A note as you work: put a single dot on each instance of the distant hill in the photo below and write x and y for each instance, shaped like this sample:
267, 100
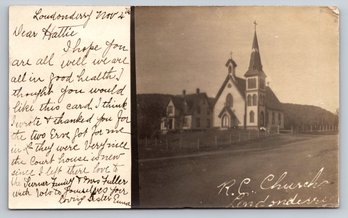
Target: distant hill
297, 115
151, 107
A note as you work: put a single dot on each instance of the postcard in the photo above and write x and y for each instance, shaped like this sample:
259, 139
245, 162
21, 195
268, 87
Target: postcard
173, 107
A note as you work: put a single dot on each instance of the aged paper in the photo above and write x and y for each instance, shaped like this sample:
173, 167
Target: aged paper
69, 107
238, 107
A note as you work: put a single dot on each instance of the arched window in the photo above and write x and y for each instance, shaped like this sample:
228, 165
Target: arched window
261, 99
254, 99
249, 100
262, 119
229, 100
251, 115
225, 121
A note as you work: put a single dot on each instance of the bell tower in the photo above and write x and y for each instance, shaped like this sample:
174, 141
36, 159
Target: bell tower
255, 88
231, 67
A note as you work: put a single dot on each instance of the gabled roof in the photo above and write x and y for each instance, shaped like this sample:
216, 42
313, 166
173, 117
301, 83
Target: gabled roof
271, 100
231, 61
229, 111
188, 103
255, 65
238, 82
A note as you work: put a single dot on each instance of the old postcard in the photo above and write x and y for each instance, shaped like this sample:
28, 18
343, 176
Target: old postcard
173, 107
237, 106
69, 107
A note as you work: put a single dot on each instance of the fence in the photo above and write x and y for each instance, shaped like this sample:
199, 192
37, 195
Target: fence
196, 141
314, 128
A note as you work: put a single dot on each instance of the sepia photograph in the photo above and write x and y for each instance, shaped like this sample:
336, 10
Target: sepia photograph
237, 107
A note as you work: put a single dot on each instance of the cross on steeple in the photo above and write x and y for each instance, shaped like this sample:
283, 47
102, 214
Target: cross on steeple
231, 54
255, 65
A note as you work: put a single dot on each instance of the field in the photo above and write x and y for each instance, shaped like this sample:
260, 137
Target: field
279, 171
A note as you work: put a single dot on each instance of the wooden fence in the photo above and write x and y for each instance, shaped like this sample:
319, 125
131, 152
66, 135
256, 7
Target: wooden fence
195, 141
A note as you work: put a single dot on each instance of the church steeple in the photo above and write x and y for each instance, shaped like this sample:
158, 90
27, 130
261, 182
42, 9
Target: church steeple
255, 65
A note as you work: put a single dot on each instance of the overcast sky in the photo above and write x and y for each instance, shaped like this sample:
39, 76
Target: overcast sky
187, 48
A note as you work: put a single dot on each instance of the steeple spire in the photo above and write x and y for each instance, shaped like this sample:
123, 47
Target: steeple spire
255, 65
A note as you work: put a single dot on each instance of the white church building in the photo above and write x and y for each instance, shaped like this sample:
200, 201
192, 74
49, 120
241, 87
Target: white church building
239, 103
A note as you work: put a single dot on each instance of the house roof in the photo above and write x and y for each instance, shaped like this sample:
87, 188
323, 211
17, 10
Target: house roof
188, 103
271, 100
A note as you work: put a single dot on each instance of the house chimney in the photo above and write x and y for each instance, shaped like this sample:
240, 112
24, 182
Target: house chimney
197, 91
183, 92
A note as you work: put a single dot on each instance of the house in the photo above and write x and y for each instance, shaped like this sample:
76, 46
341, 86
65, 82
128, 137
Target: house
188, 111
239, 103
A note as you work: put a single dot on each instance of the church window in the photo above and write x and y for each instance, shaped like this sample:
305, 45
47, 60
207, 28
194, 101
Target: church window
225, 121
262, 83
254, 99
251, 83
262, 119
273, 118
229, 100
249, 100
251, 115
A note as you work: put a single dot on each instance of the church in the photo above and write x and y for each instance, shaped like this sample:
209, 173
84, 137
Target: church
245, 103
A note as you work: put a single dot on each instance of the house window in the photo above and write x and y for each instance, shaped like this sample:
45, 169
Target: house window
261, 99
186, 122
198, 123
279, 119
208, 123
170, 124
249, 100
251, 115
273, 118
229, 100
198, 109
170, 109
252, 83
254, 99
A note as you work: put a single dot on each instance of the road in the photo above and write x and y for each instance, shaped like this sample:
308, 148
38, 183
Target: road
285, 171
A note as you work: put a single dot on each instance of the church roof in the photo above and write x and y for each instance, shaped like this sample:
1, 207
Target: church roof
239, 83
229, 111
231, 61
271, 100
255, 65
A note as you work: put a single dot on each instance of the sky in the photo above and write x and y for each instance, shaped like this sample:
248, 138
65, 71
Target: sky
186, 48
